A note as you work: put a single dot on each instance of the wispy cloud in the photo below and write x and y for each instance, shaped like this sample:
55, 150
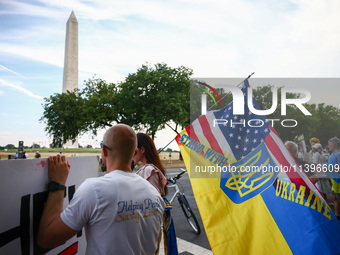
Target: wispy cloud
13, 7
214, 38
19, 88
3, 68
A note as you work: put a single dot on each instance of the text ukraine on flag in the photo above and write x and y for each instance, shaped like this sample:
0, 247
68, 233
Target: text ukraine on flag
257, 209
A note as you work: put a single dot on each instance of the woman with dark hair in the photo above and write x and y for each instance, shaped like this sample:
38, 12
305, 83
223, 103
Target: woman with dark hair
153, 169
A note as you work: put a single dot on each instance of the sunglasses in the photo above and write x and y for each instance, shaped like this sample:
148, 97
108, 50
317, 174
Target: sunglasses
102, 144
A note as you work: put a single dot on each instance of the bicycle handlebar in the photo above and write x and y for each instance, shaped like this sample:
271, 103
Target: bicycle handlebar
173, 179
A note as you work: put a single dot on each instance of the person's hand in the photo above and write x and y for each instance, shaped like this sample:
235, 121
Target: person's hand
58, 169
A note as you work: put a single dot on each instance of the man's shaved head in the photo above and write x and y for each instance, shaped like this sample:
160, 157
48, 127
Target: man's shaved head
122, 140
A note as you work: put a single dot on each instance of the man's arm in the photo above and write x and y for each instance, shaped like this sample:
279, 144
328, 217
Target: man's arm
52, 230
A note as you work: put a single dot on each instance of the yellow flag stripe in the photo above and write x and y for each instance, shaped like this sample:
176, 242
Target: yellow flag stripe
246, 228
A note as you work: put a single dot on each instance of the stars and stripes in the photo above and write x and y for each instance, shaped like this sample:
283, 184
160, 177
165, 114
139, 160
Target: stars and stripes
243, 132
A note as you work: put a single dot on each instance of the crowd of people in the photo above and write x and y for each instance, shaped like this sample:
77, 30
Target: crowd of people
123, 212
25, 155
316, 163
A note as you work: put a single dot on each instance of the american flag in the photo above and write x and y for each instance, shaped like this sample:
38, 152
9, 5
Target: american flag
229, 134
243, 132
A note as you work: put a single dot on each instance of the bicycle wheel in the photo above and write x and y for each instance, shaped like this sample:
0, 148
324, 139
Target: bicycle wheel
189, 214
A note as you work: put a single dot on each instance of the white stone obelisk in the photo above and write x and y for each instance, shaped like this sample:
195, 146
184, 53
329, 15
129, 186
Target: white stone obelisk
70, 77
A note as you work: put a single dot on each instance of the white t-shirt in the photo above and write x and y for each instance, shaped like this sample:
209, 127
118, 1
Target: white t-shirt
122, 214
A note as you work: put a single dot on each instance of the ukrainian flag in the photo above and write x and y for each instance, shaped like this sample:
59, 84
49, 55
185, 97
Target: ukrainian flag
252, 197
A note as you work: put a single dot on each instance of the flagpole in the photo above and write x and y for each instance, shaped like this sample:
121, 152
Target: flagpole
162, 149
250, 75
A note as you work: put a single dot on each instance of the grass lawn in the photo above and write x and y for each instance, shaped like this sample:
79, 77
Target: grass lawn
48, 152
78, 153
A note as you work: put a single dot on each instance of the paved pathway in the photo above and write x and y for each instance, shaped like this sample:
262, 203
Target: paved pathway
187, 248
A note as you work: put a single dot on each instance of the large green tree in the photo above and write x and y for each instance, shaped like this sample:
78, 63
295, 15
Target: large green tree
323, 123
155, 96
62, 116
69, 114
287, 131
10, 146
151, 98
327, 122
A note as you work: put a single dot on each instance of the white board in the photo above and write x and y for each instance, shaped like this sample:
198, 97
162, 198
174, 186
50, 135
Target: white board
22, 196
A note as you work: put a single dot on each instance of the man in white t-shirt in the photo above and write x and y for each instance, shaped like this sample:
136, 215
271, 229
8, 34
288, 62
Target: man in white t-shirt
121, 212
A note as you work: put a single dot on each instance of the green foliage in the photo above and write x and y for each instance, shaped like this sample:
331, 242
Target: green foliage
69, 114
149, 99
264, 98
100, 105
62, 115
153, 96
10, 146
324, 122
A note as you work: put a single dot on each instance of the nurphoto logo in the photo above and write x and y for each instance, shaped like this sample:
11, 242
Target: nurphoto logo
240, 99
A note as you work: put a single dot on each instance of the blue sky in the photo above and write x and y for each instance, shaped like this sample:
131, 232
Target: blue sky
274, 38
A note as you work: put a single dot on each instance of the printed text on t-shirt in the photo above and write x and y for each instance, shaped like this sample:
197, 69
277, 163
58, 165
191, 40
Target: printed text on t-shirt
133, 210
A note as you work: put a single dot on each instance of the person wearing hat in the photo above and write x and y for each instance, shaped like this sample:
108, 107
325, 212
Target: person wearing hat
333, 164
314, 140
309, 156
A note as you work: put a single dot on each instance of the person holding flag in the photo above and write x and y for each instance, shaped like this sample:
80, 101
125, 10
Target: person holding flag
263, 202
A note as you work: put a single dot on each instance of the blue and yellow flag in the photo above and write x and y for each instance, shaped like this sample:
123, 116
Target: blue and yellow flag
252, 196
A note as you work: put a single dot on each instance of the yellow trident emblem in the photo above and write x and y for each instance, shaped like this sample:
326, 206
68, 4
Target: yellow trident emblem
247, 183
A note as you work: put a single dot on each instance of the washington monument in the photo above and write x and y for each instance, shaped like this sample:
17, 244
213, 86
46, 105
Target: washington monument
70, 77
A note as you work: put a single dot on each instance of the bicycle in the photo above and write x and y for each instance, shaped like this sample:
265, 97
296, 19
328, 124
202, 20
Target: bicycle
189, 214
